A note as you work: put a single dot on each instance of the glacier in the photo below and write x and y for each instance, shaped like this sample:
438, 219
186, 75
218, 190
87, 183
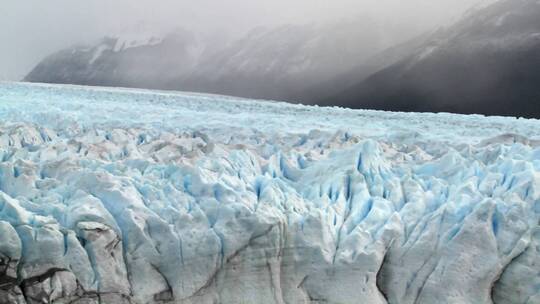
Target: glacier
135, 196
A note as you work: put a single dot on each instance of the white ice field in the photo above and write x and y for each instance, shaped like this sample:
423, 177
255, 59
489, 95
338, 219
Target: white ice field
134, 196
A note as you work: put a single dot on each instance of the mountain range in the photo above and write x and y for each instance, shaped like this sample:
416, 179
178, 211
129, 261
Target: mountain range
488, 63
278, 63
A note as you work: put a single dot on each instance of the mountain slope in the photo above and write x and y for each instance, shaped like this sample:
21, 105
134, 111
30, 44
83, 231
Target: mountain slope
282, 63
355, 74
488, 63
152, 62
276, 63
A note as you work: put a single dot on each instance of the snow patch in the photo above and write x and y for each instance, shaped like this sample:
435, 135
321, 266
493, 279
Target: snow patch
98, 52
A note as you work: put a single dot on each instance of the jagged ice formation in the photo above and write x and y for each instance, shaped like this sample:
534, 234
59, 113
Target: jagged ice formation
126, 196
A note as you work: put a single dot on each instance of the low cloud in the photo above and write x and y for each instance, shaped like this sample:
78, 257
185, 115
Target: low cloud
32, 29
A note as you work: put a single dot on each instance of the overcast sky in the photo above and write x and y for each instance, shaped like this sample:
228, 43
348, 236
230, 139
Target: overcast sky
32, 29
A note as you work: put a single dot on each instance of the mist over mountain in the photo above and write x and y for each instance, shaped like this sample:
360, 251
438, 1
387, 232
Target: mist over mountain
487, 63
33, 29
283, 63
286, 62
151, 62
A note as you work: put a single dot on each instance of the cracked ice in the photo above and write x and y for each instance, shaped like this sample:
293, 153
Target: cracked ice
133, 196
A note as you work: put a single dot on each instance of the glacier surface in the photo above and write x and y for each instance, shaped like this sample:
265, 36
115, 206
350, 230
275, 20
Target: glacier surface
133, 196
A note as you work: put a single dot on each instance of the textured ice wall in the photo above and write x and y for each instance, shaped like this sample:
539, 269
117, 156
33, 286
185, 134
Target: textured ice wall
114, 196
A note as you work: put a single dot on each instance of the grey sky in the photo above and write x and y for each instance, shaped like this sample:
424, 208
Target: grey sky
32, 29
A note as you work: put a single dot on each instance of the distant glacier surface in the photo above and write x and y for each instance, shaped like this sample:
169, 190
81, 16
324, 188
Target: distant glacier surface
135, 196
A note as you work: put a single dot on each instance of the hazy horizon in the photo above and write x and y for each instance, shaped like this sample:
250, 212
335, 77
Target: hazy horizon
31, 30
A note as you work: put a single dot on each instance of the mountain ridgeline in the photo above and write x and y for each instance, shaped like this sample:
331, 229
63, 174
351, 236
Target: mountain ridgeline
486, 63
280, 63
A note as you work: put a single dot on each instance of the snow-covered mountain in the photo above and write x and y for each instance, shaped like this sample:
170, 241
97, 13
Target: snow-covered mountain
488, 63
148, 61
132, 196
273, 63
